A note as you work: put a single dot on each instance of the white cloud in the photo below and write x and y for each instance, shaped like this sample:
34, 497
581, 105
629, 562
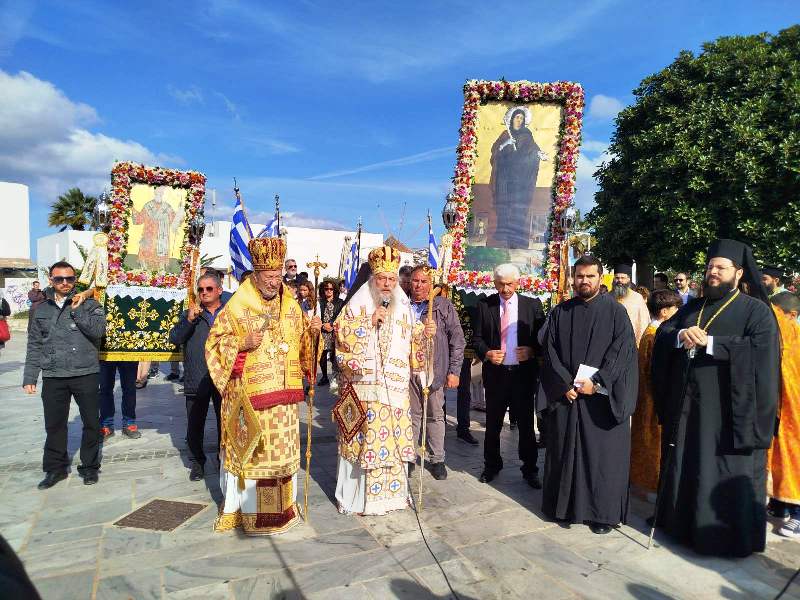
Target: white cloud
191, 95
288, 218
45, 143
604, 107
232, 108
593, 154
396, 162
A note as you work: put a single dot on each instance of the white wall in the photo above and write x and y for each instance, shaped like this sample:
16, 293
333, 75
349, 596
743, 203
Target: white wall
15, 240
61, 246
302, 243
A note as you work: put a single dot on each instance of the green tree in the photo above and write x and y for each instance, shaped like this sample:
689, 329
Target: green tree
710, 148
72, 210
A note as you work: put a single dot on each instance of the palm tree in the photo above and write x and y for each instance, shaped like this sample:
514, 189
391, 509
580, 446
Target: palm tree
72, 210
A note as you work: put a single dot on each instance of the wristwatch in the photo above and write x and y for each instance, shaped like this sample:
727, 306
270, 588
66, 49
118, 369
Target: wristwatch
596, 385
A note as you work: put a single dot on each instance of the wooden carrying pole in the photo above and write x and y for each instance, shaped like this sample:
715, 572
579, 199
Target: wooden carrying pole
316, 265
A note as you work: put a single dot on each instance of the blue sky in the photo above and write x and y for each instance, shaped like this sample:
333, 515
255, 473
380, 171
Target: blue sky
345, 109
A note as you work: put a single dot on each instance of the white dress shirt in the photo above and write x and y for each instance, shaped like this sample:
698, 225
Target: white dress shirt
511, 305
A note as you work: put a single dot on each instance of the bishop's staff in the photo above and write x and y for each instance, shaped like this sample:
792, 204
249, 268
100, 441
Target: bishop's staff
316, 265
433, 272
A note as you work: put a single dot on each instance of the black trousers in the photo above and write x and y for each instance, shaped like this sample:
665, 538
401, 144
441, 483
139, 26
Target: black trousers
56, 395
196, 413
464, 396
323, 362
507, 387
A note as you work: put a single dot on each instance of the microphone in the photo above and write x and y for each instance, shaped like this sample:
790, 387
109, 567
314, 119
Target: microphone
385, 299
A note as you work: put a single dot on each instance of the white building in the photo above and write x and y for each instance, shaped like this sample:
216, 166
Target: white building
16, 268
302, 244
63, 245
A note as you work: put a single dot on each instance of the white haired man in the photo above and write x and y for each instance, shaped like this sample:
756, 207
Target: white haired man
376, 345
505, 339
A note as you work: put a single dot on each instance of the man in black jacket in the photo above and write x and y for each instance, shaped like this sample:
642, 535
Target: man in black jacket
63, 343
191, 332
505, 339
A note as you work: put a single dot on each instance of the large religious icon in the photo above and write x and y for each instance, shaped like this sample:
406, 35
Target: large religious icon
156, 228
515, 175
149, 258
514, 172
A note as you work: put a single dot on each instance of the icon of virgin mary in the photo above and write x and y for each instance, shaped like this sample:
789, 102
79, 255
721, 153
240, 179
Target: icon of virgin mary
515, 166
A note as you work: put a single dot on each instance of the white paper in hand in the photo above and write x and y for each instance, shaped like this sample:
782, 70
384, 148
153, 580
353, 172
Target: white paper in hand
585, 373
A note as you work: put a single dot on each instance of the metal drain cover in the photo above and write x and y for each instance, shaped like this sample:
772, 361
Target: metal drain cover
161, 515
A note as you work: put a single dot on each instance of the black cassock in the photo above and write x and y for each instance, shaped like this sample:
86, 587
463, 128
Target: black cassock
714, 493
589, 440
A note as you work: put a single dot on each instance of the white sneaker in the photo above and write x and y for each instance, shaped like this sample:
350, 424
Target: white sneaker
791, 529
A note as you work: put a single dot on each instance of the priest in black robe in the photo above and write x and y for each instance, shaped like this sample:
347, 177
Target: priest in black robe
716, 377
588, 433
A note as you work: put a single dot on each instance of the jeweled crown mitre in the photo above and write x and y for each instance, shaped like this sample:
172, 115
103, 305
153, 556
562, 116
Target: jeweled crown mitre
384, 259
267, 253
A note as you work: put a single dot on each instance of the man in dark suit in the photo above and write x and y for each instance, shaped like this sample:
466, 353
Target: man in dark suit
504, 338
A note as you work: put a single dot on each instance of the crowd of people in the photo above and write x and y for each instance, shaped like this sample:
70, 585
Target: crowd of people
686, 396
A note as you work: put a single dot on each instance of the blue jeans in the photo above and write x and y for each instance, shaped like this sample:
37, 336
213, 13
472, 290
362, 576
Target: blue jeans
127, 381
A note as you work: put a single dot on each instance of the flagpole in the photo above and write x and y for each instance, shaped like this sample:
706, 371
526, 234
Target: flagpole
358, 246
278, 212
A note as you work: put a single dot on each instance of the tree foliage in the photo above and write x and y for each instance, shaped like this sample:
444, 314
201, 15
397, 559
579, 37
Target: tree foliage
72, 210
710, 148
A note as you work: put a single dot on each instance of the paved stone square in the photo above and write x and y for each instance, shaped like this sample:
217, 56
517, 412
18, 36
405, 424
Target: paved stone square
491, 540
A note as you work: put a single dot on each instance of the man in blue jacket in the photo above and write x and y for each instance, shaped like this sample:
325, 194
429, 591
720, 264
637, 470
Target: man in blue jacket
63, 344
191, 332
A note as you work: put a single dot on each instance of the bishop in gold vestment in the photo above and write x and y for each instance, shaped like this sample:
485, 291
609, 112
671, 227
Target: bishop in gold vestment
257, 352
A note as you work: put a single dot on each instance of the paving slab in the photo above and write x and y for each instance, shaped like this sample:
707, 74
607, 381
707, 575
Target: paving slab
491, 540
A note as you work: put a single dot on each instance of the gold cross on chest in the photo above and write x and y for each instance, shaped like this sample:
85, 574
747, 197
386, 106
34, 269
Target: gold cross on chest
405, 326
142, 314
251, 322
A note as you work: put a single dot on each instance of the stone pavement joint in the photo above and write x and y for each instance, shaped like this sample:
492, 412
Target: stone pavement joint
491, 540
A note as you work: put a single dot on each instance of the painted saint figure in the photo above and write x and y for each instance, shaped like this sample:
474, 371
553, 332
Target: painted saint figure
161, 223
515, 167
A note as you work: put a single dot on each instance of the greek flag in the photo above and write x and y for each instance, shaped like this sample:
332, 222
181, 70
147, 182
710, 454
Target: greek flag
270, 229
351, 266
433, 249
240, 235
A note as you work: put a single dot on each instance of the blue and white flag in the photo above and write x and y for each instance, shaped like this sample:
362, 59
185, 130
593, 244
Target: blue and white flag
433, 249
351, 268
270, 229
241, 234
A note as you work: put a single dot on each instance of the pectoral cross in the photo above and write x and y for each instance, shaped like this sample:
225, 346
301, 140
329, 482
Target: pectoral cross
405, 326
143, 314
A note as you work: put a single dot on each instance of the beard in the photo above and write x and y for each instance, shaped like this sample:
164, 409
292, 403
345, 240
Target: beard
379, 295
715, 292
586, 292
620, 290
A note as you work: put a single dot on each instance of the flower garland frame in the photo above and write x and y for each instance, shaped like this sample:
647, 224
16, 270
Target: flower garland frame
477, 92
123, 176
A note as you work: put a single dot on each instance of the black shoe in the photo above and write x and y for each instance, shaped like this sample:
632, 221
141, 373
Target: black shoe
51, 478
533, 481
439, 471
513, 426
172, 377
600, 528
152, 374
466, 436
90, 478
140, 385
324, 381
197, 473
487, 476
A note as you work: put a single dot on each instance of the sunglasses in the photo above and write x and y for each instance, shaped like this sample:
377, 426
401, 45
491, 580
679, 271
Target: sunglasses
327, 289
202, 289
292, 267
678, 280
59, 279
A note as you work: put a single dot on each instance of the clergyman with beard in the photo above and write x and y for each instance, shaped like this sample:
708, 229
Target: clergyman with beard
716, 378
258, 350
590, 381
634, 303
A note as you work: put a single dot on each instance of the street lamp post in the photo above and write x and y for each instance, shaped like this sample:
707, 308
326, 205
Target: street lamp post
101, 215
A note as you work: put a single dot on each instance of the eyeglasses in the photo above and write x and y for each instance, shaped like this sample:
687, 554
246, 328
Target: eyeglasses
678, 280
202, 289
327, 289
59, 279
292, 267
